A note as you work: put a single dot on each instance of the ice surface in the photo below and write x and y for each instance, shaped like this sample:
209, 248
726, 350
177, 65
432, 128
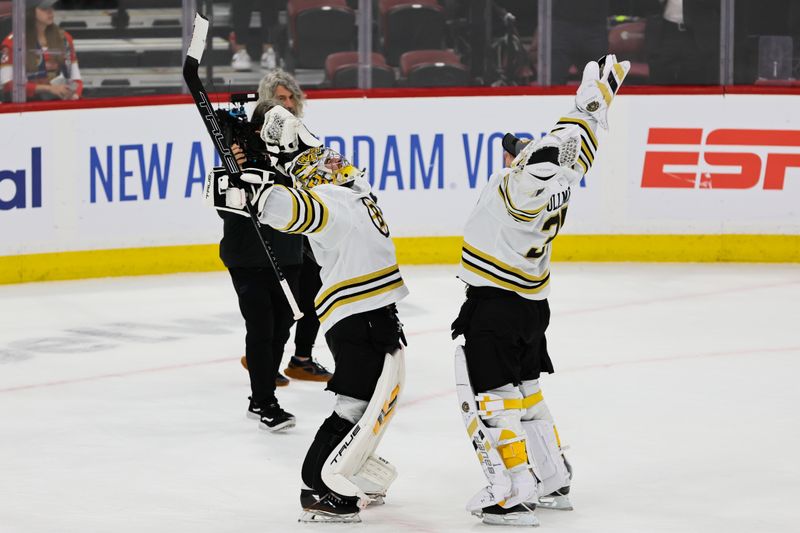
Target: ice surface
122, 406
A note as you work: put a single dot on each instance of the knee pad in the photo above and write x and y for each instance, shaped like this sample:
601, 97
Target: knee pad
493, 422
350, 409
351, 468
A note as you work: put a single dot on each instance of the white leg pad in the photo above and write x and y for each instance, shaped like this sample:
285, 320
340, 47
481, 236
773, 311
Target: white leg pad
507, 487
352, 461
545, 456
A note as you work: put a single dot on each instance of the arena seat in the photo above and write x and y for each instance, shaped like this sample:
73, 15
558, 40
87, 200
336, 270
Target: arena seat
433, 68
626, 40
341, 70
318, 28
410, 25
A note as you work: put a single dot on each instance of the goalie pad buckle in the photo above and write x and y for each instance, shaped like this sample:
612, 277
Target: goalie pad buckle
352, 469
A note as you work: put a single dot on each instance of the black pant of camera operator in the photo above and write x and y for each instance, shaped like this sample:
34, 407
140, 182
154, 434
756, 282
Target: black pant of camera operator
264, 308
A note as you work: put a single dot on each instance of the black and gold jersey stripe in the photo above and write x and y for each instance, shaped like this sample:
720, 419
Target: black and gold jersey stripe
309, 214
500, 273
517, 214
588, 140
356, 289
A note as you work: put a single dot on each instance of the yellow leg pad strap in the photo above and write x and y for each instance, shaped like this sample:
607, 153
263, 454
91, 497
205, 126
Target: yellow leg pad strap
533, 399
491, 402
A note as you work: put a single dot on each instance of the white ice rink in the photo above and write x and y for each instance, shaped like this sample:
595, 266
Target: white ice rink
122, 407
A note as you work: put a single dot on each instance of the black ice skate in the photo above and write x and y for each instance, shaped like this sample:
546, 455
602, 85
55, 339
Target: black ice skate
273, 418
518, 515
328, 507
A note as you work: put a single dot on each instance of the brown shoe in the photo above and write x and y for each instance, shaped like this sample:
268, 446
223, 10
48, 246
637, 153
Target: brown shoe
281, 380
307, 370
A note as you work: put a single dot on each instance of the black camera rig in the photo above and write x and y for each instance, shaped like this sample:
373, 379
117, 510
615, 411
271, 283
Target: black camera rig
237, 129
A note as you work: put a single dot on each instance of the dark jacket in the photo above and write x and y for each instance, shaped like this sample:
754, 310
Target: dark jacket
240, 246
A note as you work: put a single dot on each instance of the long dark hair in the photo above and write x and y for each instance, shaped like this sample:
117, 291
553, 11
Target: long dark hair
56, 43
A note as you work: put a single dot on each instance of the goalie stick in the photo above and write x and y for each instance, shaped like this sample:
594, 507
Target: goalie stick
195, 85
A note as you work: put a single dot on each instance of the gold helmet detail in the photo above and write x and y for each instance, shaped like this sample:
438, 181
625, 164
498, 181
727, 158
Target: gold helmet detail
321, 165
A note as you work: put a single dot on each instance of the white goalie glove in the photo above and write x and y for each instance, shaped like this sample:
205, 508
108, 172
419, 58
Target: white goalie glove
601, 81
285, 136
252, 192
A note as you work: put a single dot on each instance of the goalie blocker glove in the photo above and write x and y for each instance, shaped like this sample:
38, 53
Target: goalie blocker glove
251, 189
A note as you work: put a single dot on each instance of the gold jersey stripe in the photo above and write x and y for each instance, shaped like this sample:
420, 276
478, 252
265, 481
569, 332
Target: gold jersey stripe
584, 126
361, 296
324, 208
309, 214
295, 209
514, 211
496, 262
353, 281
503, 283
587, 152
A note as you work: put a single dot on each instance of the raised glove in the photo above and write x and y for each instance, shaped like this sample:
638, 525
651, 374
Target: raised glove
601, 81
285, 136
252, 192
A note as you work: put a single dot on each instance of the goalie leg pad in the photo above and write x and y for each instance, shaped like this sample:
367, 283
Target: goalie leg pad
351, 469
493, 422
544, 446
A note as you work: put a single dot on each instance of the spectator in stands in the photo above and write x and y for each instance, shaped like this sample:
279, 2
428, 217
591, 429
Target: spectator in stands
51, 63
682, 42
240, 38
281, 87
579, 35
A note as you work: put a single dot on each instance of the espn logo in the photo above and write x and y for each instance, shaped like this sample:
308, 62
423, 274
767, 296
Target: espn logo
756, 154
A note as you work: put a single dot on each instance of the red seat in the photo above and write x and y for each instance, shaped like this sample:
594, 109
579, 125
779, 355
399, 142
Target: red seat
626, 40
433, 68
410, 25
318, 28
341, 70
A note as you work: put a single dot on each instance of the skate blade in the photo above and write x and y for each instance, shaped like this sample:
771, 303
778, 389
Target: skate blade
375, 500
510, 519
280, 427
554, 503
315, 516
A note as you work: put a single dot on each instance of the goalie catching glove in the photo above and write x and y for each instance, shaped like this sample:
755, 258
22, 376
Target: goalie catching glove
601, 81
249, 191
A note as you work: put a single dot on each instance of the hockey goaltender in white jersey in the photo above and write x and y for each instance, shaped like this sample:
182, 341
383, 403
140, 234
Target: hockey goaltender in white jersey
332, 205
505, 263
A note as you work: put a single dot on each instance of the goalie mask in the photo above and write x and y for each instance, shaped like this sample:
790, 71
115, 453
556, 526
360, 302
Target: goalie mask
321, 165
552, 156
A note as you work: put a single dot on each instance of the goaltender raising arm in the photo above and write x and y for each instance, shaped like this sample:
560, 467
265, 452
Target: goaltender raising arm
332, 205
506, 265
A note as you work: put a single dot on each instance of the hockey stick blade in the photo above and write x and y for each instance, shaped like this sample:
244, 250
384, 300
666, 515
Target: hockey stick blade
190, 75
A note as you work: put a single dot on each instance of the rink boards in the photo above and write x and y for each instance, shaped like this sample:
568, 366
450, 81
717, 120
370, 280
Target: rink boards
695, 177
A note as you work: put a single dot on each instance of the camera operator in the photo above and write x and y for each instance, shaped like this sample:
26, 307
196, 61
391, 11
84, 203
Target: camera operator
262, 303
282, 88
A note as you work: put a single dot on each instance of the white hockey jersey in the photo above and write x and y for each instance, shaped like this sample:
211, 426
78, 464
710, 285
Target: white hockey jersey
351, 243
508, 234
